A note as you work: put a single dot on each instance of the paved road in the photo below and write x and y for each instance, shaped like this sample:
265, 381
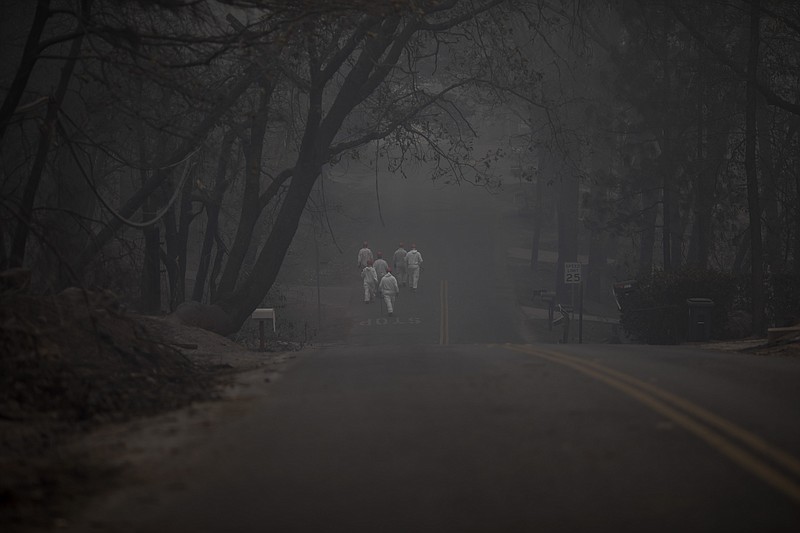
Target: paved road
442, 419
490, 438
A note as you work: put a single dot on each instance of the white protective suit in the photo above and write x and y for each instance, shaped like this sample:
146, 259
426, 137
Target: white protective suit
389, 290
399, 266
381, 267
413, 265
364, 256
370, 283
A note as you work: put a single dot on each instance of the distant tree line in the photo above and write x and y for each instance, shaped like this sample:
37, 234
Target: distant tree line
667, 130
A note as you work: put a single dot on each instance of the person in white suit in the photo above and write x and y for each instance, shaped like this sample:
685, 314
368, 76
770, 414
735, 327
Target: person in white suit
413, 266
389, 290
381, 266
399, 265
364, 256
370, 282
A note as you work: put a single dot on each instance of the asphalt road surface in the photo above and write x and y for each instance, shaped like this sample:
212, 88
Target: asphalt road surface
443, 418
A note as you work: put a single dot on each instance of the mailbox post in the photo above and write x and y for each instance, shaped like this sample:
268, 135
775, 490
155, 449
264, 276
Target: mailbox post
261, 315
548, 297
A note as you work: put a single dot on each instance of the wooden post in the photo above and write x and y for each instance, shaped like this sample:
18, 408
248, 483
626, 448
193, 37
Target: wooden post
580, 317
261, 315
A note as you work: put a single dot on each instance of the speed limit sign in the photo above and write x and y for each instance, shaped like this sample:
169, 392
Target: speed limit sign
572, 273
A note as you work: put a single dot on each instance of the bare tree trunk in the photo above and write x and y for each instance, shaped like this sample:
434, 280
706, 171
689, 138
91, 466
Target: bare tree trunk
598, 261
176, 226
796, 254
251, 206
248, 295
677, 230
180, 245
187, 216
666, 217
537, 228
29, 57
169, 253
20, 239
219, 257
769, 192
212, 215
3, 255
598, 248
567, 229
150, 289
698, 242
742, 257
671, 239
151, 268
665, 165
537, 216
715, 142
753, 203
648, 231
597, 226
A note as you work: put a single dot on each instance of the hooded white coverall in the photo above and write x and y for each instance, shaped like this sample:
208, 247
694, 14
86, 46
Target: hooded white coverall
370, 283
413, 264
389, 289
381, 267
364, 257
399, 265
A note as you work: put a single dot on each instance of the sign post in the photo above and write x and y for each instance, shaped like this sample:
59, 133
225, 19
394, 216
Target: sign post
572, 273
572, 276
580, 319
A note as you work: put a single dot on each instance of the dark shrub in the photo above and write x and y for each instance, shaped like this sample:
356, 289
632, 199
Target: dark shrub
657, 312
783, 298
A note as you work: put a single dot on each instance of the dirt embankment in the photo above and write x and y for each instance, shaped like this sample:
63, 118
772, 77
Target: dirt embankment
72, 362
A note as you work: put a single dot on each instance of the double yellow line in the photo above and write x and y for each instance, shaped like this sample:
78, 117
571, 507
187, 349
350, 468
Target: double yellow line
738, 444
444, 335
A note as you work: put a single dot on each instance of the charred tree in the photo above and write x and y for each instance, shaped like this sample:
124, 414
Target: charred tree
213, 201
751, 169
47, 131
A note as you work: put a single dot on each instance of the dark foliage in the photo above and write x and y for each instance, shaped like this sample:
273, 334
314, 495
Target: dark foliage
783, 298
658, 313
77, 356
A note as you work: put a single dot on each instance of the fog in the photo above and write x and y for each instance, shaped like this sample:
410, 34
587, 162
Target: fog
604, 198
183, 144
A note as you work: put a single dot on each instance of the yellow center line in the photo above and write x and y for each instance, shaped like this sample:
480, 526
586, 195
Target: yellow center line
649, 395
755, 442
443, 329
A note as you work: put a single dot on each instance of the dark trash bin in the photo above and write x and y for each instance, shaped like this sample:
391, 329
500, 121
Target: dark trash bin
699, 319
622, 289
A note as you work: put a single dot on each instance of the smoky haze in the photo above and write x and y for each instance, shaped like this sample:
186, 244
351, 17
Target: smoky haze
463, 232
604, 337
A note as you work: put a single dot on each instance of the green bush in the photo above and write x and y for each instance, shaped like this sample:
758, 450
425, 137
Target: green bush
657, 312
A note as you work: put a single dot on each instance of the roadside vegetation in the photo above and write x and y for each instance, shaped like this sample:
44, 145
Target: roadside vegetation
158, 156
167, 150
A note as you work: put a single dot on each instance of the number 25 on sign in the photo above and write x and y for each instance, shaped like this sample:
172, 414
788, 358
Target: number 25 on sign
572, 273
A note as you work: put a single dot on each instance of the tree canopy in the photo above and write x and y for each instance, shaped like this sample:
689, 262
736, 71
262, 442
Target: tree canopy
665, 125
